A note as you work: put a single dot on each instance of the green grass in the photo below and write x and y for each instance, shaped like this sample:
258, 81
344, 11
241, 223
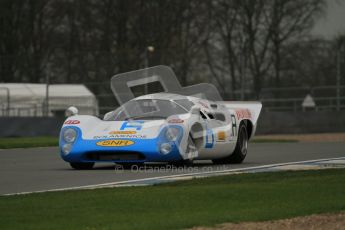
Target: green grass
236, 198
30, 142
27, 142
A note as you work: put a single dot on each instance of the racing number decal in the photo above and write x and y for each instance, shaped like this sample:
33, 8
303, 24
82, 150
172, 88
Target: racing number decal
209, 138
233, 121
137, 125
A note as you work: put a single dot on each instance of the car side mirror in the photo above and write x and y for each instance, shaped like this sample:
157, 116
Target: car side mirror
195, 110
71, 111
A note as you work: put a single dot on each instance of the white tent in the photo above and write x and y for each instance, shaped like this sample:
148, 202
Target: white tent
30, 99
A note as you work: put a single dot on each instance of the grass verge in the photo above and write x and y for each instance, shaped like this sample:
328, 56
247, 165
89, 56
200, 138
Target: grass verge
30, 142
27, 142
209, 201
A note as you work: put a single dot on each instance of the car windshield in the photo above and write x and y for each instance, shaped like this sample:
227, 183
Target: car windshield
145, 109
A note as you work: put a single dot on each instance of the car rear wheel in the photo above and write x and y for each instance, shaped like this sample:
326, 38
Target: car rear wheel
82, 165
241, 149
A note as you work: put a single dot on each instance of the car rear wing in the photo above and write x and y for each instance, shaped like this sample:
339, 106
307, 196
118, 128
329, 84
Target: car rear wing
254, 108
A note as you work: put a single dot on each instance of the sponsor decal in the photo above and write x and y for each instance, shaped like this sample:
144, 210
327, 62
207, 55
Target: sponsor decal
137, 125
123, 132
136, 136
203, 104
233, 126
72, 122
221, 136
115, 143
175, 121
209, 139
243, 114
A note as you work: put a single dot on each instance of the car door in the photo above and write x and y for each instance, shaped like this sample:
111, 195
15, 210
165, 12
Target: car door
218, 141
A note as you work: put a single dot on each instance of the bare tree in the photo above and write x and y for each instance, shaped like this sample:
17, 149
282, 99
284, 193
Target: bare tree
256, 46
241, 29
11, 26
290, 21
242, 44
225, 15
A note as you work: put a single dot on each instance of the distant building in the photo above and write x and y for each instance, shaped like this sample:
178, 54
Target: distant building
21, 99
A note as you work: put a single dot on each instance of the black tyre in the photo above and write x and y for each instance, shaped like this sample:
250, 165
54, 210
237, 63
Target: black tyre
82, 165
241, 149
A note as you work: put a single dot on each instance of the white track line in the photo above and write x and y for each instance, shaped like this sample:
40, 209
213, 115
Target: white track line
220, 172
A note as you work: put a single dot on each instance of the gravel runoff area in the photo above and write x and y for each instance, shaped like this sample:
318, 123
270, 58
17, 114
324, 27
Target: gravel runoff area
319, 137
316, 222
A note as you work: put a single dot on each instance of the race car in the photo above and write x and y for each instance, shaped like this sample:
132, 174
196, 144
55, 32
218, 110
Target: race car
160, 127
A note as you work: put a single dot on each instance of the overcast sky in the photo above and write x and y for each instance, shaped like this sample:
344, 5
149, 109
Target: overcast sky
333, 23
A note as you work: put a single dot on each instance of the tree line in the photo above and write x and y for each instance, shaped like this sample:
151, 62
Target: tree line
235, 44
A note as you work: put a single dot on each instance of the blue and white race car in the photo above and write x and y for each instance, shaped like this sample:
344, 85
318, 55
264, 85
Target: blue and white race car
160, 127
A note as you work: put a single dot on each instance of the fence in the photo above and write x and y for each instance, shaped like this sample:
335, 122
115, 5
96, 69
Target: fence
291, 98
273, 99
4, 101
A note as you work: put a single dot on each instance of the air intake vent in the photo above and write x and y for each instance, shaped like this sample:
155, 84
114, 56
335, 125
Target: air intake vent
114, 156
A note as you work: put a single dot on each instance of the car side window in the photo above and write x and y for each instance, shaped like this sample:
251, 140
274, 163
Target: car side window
210, 115
203, 115
187, 104
220, 116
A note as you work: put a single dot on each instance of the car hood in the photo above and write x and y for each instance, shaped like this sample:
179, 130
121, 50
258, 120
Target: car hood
93, 128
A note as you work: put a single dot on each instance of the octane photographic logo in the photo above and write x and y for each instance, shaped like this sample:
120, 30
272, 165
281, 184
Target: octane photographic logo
167, 168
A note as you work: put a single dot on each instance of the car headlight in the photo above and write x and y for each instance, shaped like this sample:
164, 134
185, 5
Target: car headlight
66, 148
69, 135
165, 148
172, 133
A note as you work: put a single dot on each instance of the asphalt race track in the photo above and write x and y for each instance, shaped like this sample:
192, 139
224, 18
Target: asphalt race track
37, 169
